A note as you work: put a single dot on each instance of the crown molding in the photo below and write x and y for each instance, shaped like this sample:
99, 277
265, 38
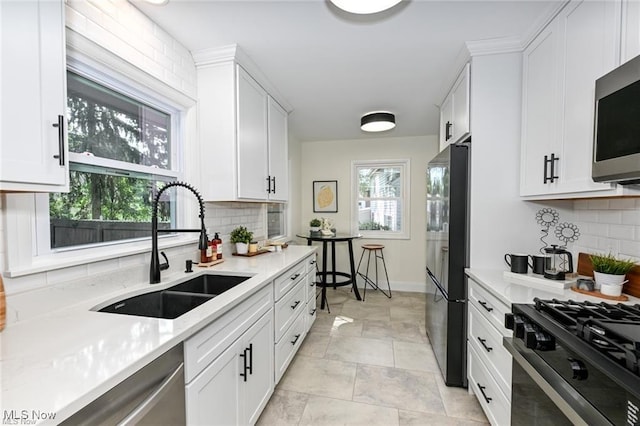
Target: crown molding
233, 53
494, 46
542, 22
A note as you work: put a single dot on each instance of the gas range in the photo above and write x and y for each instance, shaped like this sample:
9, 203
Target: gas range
584, 356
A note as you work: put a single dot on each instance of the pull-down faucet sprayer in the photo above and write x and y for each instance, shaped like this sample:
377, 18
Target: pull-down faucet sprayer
156, 266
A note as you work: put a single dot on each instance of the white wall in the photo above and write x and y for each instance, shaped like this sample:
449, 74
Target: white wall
331, 160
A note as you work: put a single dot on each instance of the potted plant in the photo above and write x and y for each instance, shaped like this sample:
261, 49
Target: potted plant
609, 272
315, 224
241, 237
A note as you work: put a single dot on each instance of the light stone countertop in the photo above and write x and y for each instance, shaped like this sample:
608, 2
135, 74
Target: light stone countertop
509, 292
60, 361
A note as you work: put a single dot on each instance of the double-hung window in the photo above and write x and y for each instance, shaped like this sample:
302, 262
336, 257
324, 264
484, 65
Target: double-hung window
381, 202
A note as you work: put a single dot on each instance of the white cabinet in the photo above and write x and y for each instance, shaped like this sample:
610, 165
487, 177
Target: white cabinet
229, 365
559, 71
489, 363
291, 311
630, 46
33, 148
454, 111
242, 137
310, 311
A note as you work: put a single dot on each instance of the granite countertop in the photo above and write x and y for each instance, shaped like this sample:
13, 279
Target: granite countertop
515, 292
60, 361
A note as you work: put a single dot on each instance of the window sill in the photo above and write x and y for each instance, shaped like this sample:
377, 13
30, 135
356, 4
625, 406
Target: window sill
67, 259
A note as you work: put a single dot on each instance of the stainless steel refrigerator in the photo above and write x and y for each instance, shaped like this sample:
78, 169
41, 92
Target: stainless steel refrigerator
447, 256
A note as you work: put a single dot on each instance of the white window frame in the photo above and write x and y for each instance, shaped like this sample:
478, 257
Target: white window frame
27, 215
405, 176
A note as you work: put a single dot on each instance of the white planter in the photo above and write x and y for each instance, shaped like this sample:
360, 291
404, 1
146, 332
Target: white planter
609, 284
242, 248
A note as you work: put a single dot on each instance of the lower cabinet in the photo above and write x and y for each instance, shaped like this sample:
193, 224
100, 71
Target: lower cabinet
311, 315
489, 363
229, 365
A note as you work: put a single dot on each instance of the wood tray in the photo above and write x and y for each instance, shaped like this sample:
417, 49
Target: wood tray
213, 262
632, 287
263, 251
596, 293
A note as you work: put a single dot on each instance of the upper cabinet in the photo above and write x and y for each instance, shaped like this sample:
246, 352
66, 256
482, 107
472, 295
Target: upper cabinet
454, 111
242, 136
560, 68
33, 148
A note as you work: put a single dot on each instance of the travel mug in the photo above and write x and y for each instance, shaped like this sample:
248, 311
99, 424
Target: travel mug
519, 263
539, 263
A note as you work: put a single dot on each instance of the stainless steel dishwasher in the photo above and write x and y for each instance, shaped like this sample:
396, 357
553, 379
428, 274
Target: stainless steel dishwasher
152, 396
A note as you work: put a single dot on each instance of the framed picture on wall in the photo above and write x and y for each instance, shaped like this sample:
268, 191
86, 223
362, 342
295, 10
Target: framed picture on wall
325, 196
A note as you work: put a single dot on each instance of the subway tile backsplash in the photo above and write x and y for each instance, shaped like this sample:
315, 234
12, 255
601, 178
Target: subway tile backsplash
608, 225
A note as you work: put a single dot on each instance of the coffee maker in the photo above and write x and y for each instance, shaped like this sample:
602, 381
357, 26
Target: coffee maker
559, 264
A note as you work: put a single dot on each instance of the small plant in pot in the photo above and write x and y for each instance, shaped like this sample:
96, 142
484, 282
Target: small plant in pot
315, 225
241, 237
609, 272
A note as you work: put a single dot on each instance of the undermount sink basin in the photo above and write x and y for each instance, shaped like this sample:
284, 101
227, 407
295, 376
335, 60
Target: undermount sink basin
209, 284
176, 300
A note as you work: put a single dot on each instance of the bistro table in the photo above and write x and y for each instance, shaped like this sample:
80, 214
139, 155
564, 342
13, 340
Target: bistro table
330, 278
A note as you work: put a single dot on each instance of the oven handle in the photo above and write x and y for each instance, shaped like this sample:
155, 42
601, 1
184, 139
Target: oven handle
578, 410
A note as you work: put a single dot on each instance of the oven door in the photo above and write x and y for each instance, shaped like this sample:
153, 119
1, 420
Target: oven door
539, 395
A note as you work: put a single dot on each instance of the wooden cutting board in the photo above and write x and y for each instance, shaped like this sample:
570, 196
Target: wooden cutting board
632, 287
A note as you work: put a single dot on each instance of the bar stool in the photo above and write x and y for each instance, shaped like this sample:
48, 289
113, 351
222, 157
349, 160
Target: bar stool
376, 250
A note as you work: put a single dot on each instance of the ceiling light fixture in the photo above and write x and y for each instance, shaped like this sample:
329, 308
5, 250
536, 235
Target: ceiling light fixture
157, 2
378, 121
365, 7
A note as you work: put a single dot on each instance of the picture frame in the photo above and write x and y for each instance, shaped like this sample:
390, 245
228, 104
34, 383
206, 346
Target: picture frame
325, 196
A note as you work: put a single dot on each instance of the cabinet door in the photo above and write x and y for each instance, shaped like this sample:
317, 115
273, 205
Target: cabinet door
446, 122
257, 390
213, 398
630, 45
252, 138
590, 46
460, 93
540, 108
33, 149
278, 152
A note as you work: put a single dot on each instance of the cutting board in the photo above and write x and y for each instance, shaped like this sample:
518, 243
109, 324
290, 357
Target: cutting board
632, 287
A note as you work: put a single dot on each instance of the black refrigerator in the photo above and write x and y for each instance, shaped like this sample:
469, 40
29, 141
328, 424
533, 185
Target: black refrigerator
447, 256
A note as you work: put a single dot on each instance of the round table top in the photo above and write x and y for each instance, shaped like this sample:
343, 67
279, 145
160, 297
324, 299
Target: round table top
337, 237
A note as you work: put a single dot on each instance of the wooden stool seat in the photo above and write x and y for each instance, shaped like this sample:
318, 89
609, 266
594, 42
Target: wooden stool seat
372, 246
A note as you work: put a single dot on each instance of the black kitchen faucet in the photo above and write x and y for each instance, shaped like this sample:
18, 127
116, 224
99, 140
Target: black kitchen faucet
156, 266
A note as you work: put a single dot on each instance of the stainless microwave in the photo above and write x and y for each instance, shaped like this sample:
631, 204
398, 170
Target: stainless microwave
616, 145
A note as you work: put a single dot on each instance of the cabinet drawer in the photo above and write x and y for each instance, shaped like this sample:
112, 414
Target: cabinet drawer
289, 279
310, 285
310, 313
489, 306
205, 346
287, 347
288, 307
311, 264
487, 341
495, 405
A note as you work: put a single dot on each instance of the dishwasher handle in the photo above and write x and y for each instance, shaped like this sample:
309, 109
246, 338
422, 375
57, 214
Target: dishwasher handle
154, 398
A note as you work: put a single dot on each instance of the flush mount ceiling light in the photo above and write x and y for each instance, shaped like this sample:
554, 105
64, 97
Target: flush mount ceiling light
365, 7
379, 121
157, 2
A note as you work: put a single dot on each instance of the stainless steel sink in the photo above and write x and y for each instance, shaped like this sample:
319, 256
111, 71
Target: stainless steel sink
177, 300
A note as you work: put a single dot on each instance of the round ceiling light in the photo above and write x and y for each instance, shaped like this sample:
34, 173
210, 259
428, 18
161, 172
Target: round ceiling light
365, 7
379, 121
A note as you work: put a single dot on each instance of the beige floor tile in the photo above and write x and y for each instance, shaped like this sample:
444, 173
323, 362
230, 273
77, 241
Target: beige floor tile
323, 377
284, 408
337, 325
330, 412
361, 350
413, 418
415, 356
458, 402
360, 310
411, 314
402, 389
393, 330
315, 345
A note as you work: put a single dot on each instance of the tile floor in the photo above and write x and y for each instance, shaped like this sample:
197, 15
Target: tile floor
369, 363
